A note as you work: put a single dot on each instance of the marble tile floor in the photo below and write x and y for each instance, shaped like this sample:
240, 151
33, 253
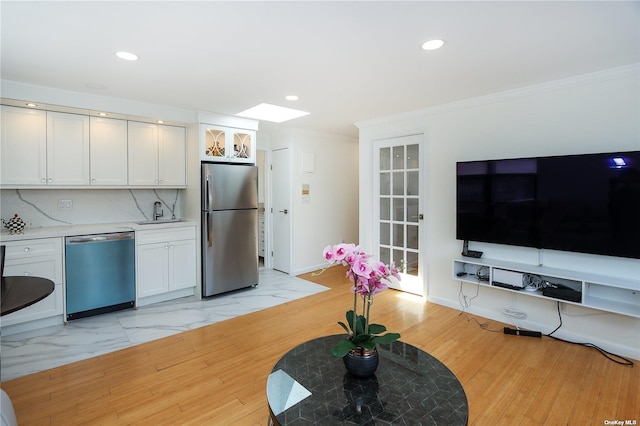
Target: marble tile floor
30, 352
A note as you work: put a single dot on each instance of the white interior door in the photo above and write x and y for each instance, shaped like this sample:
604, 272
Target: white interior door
263, 205
398, 208
281, 209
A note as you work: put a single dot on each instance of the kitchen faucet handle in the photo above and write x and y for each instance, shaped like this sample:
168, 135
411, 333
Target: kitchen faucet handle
157, 205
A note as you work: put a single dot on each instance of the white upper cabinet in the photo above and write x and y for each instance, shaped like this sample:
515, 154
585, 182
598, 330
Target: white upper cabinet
108, 143
44, 148
67, 149
172, 156
143, 154
23, 146
226, 144
157, 155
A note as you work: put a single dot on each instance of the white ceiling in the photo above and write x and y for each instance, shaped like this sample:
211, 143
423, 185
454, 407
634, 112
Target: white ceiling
347, 61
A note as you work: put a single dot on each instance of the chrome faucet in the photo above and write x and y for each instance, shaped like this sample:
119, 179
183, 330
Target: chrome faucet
157, 206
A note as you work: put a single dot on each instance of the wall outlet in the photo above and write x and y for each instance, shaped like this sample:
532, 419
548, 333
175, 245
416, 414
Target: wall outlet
65, 204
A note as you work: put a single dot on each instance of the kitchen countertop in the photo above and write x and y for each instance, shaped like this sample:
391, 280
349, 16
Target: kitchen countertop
99, 228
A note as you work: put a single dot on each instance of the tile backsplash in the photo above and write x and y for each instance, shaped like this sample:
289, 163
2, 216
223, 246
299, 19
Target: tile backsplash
58, 207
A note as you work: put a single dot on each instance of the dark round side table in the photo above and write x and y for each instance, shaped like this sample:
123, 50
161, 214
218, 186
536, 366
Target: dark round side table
308, 386
19, 292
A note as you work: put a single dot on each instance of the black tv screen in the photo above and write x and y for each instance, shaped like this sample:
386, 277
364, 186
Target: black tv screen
580, 203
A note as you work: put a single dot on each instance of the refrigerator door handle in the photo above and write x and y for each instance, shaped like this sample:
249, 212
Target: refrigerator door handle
209, 230
208, 194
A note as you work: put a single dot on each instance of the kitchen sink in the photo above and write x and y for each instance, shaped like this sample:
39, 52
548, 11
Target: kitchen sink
158, 222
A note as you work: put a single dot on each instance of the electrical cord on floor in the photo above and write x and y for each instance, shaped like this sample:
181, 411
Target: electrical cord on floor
618, 359
462, 296
466, 304
514, 314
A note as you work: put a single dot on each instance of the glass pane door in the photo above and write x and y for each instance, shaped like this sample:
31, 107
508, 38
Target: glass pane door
399, 207
215, 143
242, 145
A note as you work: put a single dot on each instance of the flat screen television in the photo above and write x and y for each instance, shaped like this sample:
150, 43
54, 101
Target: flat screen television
579, 203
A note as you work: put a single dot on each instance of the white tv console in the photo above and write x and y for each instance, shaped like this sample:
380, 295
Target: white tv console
617, 295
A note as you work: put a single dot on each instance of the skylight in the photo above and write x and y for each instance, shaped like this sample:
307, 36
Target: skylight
273, 113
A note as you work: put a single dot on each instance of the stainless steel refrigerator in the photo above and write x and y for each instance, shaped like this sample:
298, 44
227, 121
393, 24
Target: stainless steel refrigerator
229, 227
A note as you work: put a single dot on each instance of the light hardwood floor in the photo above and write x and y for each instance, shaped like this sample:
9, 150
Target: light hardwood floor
217, 374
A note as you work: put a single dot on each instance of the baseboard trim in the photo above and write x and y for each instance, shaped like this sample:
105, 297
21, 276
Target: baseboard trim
610, 346
311, 269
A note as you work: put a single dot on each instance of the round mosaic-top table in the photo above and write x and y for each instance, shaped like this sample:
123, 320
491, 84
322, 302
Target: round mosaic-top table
20, 292
309, 386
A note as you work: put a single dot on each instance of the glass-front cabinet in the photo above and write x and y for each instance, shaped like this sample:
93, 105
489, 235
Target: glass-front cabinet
226, 144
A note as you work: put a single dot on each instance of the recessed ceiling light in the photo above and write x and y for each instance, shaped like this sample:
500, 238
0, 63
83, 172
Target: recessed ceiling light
127, 56
432, 44
32, 105
291, 98
160, 122
273, 113
102, 114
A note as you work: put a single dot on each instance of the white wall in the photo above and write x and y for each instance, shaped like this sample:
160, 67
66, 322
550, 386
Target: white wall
329, 214
593, 113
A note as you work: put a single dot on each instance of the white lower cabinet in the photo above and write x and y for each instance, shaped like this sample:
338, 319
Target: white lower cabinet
37, 258
165, 263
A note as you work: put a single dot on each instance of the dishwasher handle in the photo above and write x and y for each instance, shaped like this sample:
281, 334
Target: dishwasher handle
100, 237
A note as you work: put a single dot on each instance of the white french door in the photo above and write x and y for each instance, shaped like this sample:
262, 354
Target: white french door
398, 208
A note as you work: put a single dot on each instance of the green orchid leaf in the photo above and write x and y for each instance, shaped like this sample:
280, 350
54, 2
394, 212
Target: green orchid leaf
342, 348
368, 344
350, 318
360, 325
347, 329
377, 329
360, 339
360, 322
350, 315
386, 339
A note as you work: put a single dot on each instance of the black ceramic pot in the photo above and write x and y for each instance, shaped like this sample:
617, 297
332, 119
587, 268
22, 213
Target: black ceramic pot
361, 362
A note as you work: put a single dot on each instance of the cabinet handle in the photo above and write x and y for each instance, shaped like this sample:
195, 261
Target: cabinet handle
50, 179
27, 249
43, 180
27, 274
93, 181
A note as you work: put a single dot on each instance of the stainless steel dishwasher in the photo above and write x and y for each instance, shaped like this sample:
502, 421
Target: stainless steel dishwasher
100, 273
